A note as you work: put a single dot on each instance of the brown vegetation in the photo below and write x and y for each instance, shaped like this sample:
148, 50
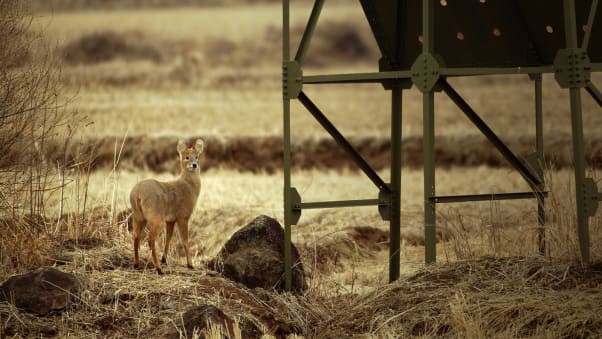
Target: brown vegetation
31, 116
264, 154
73, 5
106, 46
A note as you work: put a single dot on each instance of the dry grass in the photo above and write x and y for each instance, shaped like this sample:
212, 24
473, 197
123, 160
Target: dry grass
236, 79
230, 199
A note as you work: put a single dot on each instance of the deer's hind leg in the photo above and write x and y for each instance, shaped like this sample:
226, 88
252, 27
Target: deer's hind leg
137, 228
168, 235
156, 225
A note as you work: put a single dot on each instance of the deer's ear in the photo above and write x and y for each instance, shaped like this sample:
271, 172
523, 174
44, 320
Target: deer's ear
198, 146
181, 146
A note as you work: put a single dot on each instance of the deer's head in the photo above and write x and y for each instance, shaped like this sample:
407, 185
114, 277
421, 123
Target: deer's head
189, 157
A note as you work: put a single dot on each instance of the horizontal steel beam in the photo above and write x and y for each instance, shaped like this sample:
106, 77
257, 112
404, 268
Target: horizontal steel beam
468, 71
375, 77
594, 92
487, 197
335, 204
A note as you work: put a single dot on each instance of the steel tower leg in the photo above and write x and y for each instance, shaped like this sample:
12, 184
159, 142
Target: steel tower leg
570, 27
428, 132
541, 213
288, 276
395, 222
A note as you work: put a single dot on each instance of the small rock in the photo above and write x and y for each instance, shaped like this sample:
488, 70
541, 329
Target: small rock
254, 256
42, 291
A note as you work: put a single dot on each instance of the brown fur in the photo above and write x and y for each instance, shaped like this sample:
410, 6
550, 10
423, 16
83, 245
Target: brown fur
165, 204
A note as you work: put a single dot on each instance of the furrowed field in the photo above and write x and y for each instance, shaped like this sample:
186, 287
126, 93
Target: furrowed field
140, 78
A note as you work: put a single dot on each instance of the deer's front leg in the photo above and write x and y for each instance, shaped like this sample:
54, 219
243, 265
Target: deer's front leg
183, 230
168, 235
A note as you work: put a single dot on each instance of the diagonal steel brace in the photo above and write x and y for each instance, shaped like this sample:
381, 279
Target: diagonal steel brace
532, 179
340, 139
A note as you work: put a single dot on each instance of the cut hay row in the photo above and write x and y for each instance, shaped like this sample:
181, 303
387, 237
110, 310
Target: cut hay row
264, 154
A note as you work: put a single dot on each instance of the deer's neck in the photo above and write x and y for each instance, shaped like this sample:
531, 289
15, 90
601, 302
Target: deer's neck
192, 180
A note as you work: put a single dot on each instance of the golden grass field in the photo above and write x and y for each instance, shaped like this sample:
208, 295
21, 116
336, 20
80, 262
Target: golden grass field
216, 74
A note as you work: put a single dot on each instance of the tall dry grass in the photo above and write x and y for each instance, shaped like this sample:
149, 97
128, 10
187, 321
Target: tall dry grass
502, 231
32, 116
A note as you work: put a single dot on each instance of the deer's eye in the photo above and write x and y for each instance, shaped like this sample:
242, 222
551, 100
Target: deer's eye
187, 158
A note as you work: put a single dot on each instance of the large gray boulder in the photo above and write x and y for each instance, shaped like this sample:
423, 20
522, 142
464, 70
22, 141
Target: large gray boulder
254, 256
42, 291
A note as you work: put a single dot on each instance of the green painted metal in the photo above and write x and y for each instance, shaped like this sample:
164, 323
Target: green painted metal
532, 179
591, 197
342, 142
472, 71
295, 201
379, 77
428, 132
572, 68
425, 72
444, 199
356, 77
594, 92
292, 79
590, 24
395, 203
570, 28
541, 211
309, 30
407, 42
384, 208
494, 33
288, 274
337, 204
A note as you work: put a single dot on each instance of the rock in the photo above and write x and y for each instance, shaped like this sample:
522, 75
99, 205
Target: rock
42, 291
254, 256
197, 318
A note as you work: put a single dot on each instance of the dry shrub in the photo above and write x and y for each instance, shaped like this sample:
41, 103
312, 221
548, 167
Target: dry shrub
32, 117
106, 46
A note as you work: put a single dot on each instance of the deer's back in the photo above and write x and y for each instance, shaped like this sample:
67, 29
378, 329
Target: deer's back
149, 195
170, 200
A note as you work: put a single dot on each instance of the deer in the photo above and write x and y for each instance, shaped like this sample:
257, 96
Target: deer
161, 205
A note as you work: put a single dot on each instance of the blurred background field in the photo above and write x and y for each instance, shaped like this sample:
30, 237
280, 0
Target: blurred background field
142, 74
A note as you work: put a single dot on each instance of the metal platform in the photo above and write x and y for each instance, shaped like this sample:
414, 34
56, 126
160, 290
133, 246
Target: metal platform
424, 42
